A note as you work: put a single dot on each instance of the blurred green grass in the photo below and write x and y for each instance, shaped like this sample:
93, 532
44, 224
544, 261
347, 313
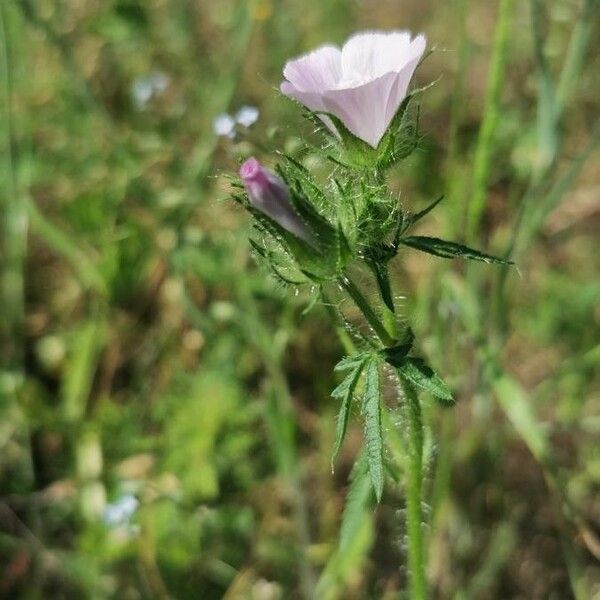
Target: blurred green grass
143, 352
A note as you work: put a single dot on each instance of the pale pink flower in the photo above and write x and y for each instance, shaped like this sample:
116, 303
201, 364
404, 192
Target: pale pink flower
269, 194
363, 84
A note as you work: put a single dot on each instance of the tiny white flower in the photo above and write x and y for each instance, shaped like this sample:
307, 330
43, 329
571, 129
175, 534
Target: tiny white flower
247, 115
141, 91
159, 81
224, 125
144, 88
120, 511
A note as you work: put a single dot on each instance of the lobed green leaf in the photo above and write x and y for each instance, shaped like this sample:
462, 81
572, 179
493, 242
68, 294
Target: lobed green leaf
371, 410
345, 392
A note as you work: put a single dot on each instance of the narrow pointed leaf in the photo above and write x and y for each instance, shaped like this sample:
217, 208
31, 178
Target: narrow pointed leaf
311, 304
298, 171
350, 362
262, 252
345, 392
373, 433
411, 219
359, 501
446, 249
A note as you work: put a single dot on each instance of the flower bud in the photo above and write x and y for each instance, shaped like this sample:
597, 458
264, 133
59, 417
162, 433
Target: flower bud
269, 194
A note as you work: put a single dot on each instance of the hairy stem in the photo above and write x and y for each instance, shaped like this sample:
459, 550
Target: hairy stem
414, 492
369, 314
380, 270
414, 465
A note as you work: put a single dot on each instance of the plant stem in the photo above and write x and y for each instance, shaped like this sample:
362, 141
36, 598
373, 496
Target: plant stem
414, 492
14, 225
482, 162
369, 314
414, 487
382, 276
576, 52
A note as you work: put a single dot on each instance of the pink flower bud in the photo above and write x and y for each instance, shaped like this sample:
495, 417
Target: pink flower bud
268, 193
362, 84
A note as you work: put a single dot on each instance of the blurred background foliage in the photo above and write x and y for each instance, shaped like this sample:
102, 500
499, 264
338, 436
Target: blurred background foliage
166, 425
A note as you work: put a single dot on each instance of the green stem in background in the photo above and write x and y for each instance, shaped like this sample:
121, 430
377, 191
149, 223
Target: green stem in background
538, 202
283, 421
455, 174
369, 314
14, 229
282, 425
491, 115
578, 45
414, 492
546, 118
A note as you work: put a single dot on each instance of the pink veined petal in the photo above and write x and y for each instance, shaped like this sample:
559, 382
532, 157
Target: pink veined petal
363, 109
316, 71
369, 55
400, 88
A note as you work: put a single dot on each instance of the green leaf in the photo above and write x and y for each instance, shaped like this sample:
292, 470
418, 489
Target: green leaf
356, 534
315, 221
396, 122
350, 362
308, 259
262, 252
311, 304
352, 143
296, 170
422, 375
446, 249
273, 262
373, 432
86, 347
358, 502
344, 252
398, 141
345, 393
411, 219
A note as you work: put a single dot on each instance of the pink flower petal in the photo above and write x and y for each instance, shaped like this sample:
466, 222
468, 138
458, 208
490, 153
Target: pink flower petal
400, 89
269, 194
364, 109
363, 84
372, 54
316, 71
